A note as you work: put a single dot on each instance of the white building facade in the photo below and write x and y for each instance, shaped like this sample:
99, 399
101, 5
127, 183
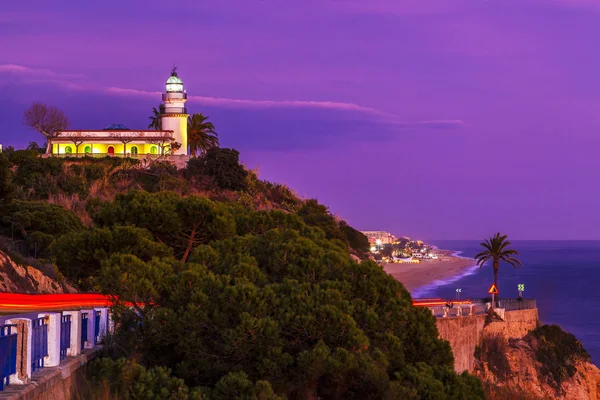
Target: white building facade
118, 140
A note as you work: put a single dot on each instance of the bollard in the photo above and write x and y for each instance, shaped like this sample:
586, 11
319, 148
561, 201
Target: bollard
24, 351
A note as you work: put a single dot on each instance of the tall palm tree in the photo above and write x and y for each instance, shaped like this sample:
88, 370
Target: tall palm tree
155, 119
201, 134
496, 250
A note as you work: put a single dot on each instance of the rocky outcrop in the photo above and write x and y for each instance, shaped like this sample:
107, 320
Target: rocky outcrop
502, 353
523, 377
510, 369
15, 277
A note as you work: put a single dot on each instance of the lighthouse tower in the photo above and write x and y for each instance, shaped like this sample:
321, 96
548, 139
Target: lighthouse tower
174, 115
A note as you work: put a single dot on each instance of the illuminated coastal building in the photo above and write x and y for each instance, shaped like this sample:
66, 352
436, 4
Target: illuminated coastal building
118, 140
379, 237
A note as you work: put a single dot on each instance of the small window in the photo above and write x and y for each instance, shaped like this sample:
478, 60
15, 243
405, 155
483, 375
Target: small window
153, 150
68, 150
87, 150
134, 150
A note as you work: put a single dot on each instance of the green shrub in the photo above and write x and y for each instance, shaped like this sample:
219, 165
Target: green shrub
37, 222
558, 351
94, 172
128, 380
223, 166
73, 184
79, 254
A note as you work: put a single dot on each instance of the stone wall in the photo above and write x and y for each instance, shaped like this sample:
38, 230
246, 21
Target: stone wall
465, 333
53, 383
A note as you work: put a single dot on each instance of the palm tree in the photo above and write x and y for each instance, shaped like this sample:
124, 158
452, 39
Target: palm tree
201, 134
155, 119
496, 249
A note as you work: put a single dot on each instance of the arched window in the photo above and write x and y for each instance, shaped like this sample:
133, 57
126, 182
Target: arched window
153, 150
111, 150
87, 150
68, 150
134, 150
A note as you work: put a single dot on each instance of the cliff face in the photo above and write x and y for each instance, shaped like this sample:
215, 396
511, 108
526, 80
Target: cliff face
27, 279
522, 377
502, 354
511, 369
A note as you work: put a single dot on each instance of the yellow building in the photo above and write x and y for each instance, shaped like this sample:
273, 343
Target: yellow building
118, 140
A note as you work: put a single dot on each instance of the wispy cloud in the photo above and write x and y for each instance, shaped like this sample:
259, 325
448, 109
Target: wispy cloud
39, 72
229, 102
34, 75
332, 105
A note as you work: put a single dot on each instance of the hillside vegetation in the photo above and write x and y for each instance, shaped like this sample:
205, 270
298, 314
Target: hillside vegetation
240, 288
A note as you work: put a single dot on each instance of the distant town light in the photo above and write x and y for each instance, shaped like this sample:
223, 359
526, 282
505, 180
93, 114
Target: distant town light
373, 249
378, 242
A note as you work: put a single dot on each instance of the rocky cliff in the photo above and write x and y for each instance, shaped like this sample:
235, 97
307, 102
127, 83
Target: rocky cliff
516, 359
535, 366
15, 277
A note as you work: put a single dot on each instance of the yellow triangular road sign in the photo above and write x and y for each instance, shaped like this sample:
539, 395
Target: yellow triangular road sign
493, 289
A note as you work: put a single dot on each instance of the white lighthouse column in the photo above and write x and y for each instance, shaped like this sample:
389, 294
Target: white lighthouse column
174, 115
178, 124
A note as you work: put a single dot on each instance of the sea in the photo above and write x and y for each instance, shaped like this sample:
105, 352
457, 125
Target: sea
563, 277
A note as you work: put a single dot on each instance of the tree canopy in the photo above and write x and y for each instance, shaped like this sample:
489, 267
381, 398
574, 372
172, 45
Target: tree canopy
232, 298
201, 134
496, 249
45, 119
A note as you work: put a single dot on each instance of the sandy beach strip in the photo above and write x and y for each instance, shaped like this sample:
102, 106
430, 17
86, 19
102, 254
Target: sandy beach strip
426, 272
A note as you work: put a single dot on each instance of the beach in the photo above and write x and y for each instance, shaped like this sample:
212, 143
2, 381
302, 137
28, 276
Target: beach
426, 272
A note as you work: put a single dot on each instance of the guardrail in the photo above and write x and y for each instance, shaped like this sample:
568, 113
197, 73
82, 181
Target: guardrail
65, 335
35, 340
509, 304
84, 329
8, 353
456, 308
39, 343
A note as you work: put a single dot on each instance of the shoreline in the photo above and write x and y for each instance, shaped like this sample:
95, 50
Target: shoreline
421, 278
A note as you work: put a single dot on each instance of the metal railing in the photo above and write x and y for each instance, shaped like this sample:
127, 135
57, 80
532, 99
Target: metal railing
65, 335
84, 329
175, 110
480, 306
509, 304
174, 96
44, 339
39, 343
8, 353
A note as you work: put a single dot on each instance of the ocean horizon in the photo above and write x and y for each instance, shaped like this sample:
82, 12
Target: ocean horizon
562, 275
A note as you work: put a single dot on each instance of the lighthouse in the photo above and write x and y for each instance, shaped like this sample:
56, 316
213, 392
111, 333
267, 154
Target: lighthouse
174, 115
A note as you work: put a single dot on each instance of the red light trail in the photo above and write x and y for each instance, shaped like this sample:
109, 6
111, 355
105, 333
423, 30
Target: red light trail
11, 303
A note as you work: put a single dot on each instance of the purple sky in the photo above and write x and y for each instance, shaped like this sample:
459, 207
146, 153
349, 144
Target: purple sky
437, 119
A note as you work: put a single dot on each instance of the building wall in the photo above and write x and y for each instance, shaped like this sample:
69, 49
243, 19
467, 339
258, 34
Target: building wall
178, 124
65, 382
102, 148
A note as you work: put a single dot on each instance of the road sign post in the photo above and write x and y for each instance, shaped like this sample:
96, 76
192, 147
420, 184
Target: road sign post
493, 291
521, 288
458, 292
